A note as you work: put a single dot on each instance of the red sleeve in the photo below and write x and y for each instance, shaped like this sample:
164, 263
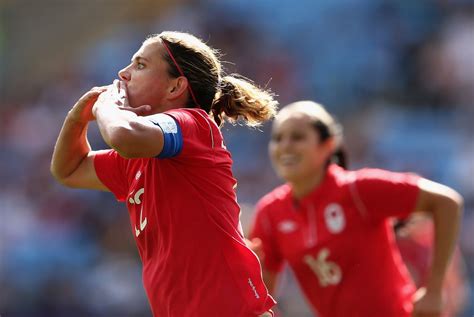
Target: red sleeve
200, 134
263, 229
381, 194
110, 168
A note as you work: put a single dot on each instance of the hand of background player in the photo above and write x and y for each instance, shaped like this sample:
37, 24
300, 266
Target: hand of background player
427, 304
256, 246
116, 94
82, 110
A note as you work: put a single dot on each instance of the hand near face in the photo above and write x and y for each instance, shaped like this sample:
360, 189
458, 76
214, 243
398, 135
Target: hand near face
82, 110
116, 94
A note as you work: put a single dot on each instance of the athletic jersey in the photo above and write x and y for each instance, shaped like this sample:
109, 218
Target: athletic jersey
339, 241
185, 220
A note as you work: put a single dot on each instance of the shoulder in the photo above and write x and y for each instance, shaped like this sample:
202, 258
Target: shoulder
339, 177
189, 116
195, 123
344, 177
275, 198
381, 175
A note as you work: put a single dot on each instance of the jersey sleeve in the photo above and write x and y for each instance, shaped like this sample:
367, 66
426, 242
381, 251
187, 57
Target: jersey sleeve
172, 134
263, 229
110, 168
382, 194
200, 135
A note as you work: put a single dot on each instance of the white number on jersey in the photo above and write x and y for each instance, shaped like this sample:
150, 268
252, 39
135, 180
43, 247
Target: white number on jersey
328, 273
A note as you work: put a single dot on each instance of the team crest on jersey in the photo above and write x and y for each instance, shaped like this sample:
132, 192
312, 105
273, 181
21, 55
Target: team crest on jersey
334, 217
287, 226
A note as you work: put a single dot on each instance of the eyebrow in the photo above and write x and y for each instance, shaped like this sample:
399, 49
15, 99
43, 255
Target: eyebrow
138, 59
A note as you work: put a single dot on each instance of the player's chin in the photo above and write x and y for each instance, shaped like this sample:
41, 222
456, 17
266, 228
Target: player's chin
289, 174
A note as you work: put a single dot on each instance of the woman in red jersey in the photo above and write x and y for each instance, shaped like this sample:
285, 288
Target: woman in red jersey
169, 165
334, 227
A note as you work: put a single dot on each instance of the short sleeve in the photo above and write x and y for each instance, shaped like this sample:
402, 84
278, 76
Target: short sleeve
172, 135
110, 169
262, 228
382, 194
200, 135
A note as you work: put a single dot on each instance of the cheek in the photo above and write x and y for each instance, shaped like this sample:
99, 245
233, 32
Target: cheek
312, 157
271, 150
149, 92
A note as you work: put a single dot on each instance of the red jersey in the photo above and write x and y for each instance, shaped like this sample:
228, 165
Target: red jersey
339, 241
185, 220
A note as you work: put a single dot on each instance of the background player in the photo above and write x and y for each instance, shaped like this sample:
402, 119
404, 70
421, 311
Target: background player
334, 227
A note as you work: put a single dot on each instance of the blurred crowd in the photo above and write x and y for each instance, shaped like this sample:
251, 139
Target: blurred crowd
399, 75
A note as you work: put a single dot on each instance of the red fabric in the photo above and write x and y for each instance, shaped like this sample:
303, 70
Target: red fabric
185, 220
416, 247
339, 241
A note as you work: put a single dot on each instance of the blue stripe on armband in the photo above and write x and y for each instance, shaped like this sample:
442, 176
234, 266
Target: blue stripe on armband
172, 135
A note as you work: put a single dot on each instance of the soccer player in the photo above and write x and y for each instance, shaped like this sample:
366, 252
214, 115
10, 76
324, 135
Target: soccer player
334, 226
169, 165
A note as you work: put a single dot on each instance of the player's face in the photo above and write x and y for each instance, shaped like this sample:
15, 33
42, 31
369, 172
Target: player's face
295, 148
146, 77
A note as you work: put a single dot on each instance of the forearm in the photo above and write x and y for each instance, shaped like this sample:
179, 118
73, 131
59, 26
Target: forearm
71, 148
115, 125
446, 217
270, 279
131, 135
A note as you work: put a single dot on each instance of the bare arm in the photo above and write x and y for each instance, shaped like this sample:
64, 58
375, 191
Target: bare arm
130, 135
445, 207
269, 278
72, 162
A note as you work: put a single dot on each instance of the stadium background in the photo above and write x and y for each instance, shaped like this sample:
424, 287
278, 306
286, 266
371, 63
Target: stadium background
398, 74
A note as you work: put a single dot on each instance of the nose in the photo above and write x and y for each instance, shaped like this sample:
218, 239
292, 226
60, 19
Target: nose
284, 143
279, 146
124, 74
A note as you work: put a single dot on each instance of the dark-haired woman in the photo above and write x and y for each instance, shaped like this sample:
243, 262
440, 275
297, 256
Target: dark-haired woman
334, 226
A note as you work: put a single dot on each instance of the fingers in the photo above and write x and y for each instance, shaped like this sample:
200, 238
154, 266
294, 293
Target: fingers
119, 91
91, 94
140, 111
257, 242
116, 94
100, 88
419, 294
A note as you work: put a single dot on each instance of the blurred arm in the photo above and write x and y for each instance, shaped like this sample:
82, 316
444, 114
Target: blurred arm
445, 206
269, 278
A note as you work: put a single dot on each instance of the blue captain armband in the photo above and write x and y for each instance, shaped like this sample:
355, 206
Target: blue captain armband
172, 136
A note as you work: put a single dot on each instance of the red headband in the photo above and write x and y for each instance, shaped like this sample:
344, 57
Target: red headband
180, 72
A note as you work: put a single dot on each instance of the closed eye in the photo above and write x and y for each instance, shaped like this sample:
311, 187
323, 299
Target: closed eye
297, 136
276, 137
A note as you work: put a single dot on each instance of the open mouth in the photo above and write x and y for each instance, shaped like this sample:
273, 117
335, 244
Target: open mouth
288, 160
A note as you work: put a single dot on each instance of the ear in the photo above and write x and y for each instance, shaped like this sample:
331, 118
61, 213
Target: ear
177, 87
330, 145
